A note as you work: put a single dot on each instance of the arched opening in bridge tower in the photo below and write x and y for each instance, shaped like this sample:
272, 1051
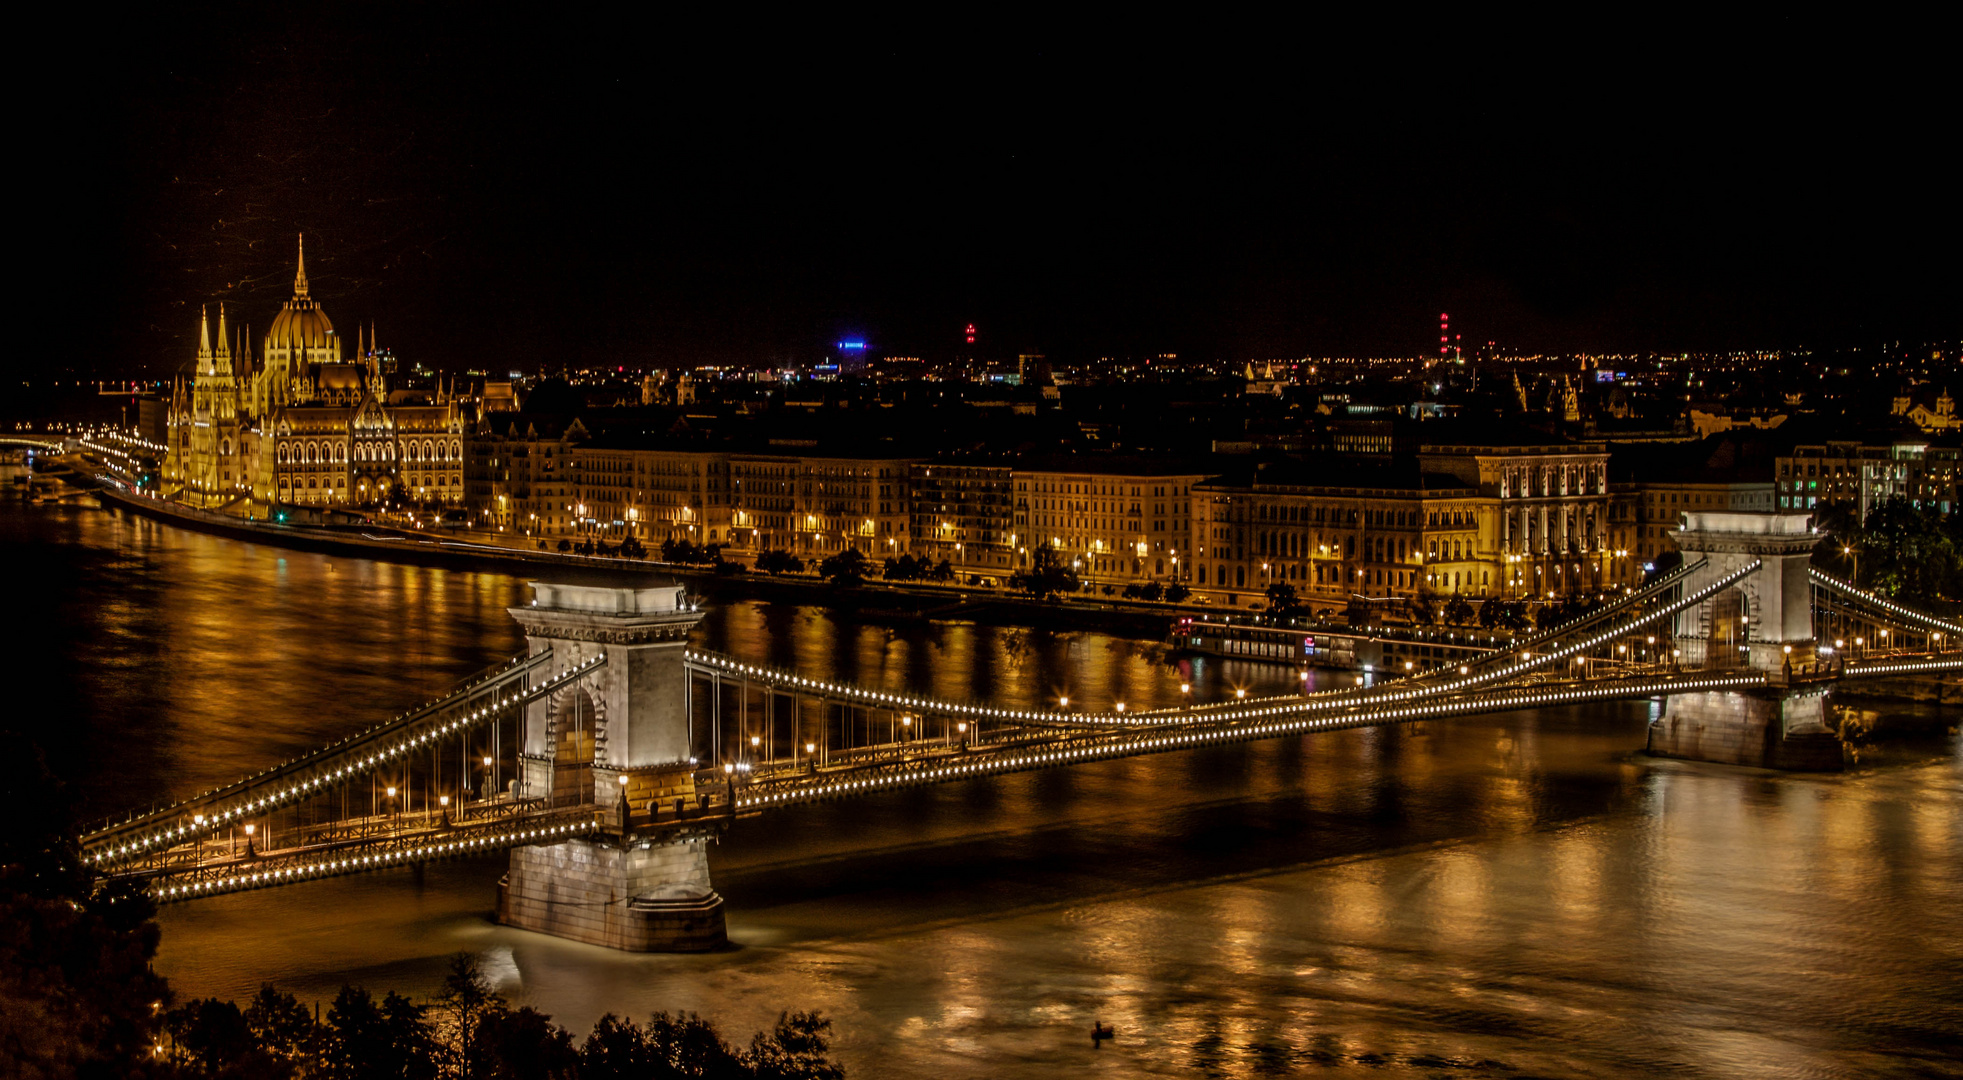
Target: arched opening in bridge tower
1724, 647
574, 723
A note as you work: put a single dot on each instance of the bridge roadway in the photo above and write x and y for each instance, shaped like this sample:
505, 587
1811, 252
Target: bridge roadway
175, 849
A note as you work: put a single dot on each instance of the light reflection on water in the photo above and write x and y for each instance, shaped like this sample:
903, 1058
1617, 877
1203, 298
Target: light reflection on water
1520, 891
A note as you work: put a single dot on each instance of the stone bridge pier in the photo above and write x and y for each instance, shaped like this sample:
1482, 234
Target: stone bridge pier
1763, 623
611, 740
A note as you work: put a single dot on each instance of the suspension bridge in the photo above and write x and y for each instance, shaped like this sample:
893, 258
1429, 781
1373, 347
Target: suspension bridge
607, 756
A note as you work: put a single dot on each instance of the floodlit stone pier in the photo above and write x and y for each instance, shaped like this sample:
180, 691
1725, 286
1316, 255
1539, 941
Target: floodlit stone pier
1765, 622
616, 741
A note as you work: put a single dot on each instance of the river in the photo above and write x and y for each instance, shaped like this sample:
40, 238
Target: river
1513, 895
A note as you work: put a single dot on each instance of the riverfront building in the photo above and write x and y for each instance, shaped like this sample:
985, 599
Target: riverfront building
964, 512
1372, 530
305, 425
1118, 520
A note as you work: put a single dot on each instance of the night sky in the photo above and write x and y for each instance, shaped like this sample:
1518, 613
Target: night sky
505, 195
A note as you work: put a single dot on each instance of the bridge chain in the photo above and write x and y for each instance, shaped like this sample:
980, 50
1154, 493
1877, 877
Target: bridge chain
315, 773
1243, 725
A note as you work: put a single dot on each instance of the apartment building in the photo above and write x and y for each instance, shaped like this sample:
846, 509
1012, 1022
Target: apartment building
1118, 520
1371, 530
815, 505
1860, 477
963, 511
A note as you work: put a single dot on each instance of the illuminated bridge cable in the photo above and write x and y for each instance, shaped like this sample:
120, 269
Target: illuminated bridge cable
1244, 725
1850, 591
1290, 706
312, 774
288, 868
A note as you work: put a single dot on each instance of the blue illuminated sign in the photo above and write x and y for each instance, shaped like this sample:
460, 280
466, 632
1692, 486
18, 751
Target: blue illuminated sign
851, 344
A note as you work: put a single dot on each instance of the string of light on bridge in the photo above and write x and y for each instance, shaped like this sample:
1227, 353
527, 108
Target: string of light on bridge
312, 785
1139, 719
1179, 740
1889, 606
357, 864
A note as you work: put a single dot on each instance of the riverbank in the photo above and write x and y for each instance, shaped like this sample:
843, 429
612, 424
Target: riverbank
872, 600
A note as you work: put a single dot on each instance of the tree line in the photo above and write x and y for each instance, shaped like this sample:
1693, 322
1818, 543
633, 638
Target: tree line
467, 1032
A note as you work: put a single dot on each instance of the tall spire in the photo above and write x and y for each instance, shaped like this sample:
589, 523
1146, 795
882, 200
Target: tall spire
204, 338
300, 278
221, 361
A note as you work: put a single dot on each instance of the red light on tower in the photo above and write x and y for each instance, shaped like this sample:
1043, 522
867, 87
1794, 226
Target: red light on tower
971, 333
1444, 334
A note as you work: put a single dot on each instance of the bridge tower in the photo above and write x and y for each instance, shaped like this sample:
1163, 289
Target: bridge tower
614, 740
1763, 623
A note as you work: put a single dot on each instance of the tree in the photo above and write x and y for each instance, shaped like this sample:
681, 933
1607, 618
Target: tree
565, 545
1908, 551
680, 551
281, 1026
1283, 603
845, 569
364, 1040
1177, 592
617, 1049
1458, 612
1152, 591
76, 991
943, 571
459, 1015
1422, 608
1357, 612
211, 1037
1048, 575
524, 1044
774, 562
687, 1045
798, 1048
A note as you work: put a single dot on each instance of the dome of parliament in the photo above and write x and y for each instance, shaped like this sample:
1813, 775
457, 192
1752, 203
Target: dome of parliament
300, 324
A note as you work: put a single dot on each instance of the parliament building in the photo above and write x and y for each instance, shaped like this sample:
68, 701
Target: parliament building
306, 425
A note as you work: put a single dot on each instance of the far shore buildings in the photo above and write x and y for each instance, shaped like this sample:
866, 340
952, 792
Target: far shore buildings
304, 425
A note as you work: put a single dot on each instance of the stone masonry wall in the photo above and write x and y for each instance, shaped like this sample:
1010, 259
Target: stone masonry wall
586, 891
1772, 729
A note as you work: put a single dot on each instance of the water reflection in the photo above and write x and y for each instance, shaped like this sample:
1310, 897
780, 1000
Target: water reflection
1499, 895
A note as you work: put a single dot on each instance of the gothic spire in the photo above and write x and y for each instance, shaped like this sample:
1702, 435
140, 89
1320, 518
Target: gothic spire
300, 278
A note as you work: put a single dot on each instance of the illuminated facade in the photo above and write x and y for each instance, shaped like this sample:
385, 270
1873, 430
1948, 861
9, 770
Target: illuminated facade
1374, 532
964, 512
305, 426
1119, 522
